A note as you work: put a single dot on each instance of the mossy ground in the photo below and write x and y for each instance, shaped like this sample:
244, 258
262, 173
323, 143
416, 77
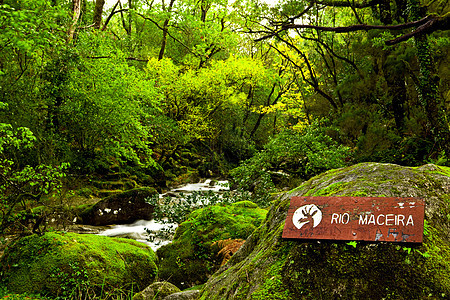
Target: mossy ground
59, 264
191, 258
269, 267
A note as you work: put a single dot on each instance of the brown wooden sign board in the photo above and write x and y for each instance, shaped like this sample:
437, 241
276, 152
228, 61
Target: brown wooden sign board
377, 219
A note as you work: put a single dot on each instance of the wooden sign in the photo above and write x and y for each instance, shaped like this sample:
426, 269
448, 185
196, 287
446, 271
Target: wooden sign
376, 219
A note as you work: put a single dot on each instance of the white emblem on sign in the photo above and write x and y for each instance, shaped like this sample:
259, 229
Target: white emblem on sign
305, 214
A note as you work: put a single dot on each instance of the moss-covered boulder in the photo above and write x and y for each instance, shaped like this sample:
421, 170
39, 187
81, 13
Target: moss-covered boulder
122, 208
191, 258
157, 291
270, 267
61, 264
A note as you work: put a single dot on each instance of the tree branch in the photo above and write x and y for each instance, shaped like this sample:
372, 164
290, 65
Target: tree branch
331, 51
127, 58
434, 24
168, 33
425, 25
313, 82
359, 27
344, 3
113, 12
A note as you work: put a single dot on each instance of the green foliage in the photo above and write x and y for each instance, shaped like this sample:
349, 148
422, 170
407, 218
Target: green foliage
73, 284
304, 153
177, 210
190, 258
4, 294
209, 109
106, 113
24, 28
20, 184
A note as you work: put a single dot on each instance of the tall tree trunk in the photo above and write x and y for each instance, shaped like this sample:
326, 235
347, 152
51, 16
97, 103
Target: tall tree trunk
165, 29
75, 17
130, 7
428, 88
395, 79
397, 89
98, 11
124, 25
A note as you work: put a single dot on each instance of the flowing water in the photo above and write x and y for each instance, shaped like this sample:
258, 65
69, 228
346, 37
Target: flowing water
149, 231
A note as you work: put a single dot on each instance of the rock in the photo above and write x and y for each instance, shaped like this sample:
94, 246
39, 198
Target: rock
156, 291
191, 258
184, 295
279, 178
122, 208
270, 267
172, 194
122, 184
58, 264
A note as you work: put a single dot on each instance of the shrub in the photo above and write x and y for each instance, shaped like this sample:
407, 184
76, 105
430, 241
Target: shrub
190, 259
304, 153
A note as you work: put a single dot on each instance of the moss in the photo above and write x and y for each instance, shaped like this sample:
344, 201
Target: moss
329, 190
82, 209
55, 263
270, 267
445, 170
333, 270
156, 291
190, 259
248, 204
23, 297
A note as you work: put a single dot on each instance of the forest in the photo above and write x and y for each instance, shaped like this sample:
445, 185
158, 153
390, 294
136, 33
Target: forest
259, 93
247, 90
264, 94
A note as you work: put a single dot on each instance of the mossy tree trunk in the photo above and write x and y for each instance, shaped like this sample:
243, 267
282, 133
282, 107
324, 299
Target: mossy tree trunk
76, 8
428, 87
394, 76
98, 11
165, 29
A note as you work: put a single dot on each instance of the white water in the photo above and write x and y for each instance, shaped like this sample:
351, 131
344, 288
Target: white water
217, 186
142, 231
145, 231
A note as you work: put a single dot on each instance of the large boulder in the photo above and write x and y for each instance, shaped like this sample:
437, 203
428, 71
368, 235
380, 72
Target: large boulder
122, 208
194, 253
270, 267
63, 264
184, 295
157, 291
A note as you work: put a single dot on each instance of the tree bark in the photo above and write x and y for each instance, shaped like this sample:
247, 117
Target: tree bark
345, 3
165, 30
98, 11
424, 26
130, 7
113, 12
397, 90
428, 88
75, 17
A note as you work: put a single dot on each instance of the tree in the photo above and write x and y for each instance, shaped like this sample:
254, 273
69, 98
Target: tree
106, 109
98, 11
21, 184
312, 20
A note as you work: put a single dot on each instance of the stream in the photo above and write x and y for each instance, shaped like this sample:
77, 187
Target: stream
148, 231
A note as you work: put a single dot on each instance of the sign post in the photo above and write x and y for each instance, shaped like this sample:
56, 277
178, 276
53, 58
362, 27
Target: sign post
377, 219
